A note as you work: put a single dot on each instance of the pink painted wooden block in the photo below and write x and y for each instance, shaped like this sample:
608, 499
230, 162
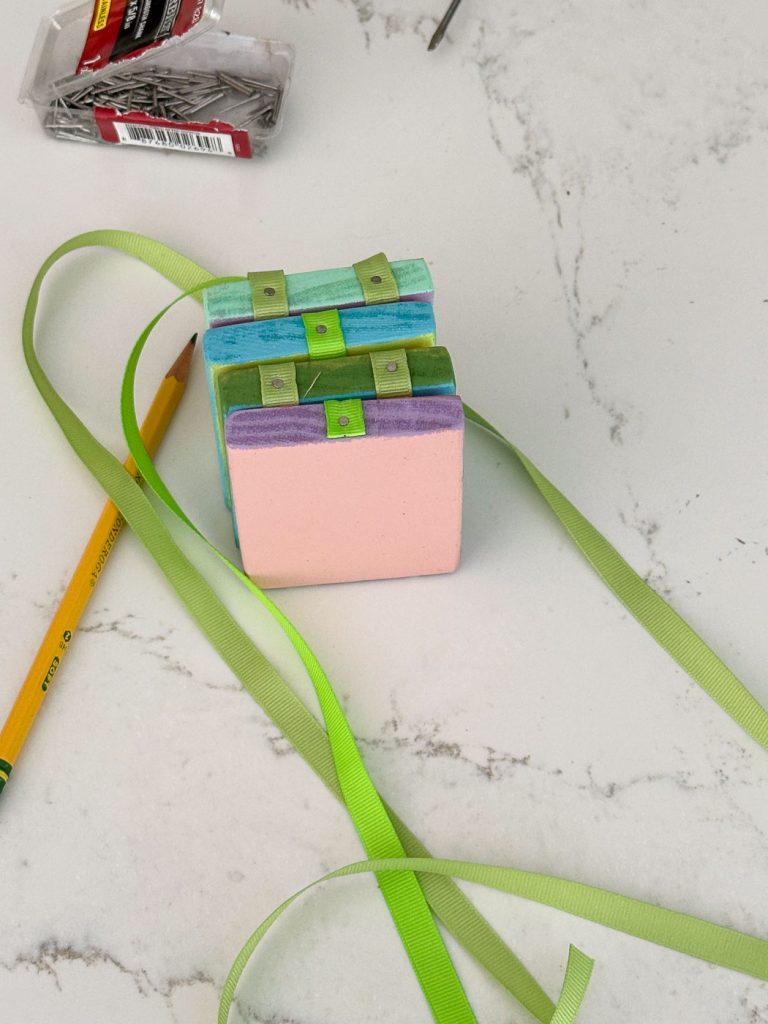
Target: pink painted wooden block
314, 509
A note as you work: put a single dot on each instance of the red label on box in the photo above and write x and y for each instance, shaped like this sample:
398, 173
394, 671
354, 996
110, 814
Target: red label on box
136, 129
125, 28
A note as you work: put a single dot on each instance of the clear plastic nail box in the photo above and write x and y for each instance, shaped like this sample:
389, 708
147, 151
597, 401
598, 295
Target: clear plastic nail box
202, 91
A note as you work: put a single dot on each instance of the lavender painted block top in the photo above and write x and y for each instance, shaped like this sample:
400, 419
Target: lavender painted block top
305, 424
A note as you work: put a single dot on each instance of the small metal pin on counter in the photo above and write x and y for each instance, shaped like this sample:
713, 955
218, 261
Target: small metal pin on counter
443, 26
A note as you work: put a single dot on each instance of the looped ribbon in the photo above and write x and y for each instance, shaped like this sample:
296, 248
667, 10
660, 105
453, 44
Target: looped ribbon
416, 887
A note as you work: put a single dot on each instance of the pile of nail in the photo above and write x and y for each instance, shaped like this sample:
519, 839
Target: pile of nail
170, 94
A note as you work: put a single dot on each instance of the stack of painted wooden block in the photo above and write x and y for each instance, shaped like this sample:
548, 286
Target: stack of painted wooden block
338, 427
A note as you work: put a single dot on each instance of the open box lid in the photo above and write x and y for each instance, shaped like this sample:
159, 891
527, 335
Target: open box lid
84, 42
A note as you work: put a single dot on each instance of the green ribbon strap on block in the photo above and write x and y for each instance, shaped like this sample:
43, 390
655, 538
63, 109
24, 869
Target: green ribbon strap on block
325, 338
278, 384
344, 418
377, 280
391, 376
269, 295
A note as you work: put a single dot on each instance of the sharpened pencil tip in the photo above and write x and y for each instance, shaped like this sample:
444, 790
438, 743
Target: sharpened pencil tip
181, 366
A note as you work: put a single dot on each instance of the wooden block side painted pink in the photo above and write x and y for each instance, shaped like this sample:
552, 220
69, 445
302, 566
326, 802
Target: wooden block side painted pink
349, 508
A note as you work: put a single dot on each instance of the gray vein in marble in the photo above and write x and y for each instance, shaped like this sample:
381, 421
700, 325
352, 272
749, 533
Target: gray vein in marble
657, 573
533, 163
365, 13
233, 687
53, 596
687, 503
745, 548
392, 23
51, 954
250, 1015
152, 645
754, 1014
279, 745
609, 790
148, 644
425, 741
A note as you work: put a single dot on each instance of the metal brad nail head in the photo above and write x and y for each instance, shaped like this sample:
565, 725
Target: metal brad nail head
391, 366
376, 279
321, 329
343, 421
278, 383
269, 291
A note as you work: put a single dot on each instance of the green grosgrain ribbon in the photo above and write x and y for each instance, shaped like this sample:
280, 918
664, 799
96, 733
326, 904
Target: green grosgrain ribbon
391, 376
325, 338
269, 295
333, 755
408, 878
344, 417
578, 968
376, 279
278, 384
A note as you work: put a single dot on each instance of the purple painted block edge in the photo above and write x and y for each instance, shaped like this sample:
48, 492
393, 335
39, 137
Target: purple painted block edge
305, 424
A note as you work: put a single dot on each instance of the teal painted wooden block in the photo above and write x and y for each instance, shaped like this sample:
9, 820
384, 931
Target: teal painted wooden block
314, 290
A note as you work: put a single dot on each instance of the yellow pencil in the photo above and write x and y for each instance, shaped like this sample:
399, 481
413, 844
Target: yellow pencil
85, 577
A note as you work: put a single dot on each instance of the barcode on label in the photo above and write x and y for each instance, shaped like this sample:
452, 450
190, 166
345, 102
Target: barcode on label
174, 138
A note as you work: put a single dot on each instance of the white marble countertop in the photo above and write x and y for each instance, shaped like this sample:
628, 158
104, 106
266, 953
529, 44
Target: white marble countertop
587, 182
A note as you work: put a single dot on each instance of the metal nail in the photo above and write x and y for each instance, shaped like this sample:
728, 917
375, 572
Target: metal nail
266, 86
206, 102
261, 111
277, 106
444, 23
261, 116
240, 103
234, 83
